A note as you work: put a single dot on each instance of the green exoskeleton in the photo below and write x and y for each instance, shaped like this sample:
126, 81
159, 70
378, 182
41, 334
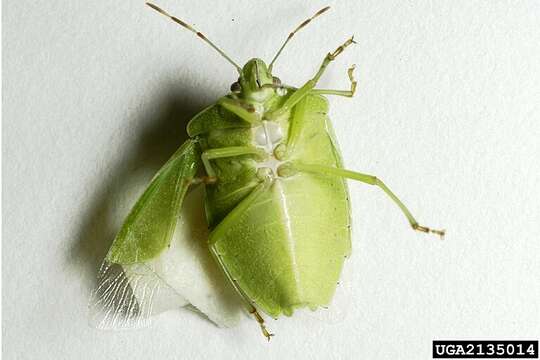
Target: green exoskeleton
276, 206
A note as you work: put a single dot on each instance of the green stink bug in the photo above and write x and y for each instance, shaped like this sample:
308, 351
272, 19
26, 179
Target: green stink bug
267, 166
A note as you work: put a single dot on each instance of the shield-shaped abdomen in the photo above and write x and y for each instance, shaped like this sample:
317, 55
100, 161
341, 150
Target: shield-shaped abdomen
284, 245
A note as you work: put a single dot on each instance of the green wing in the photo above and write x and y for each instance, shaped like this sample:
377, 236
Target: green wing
150, 224
159, 260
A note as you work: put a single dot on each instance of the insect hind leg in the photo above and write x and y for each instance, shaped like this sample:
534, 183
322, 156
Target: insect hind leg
367, 179
215, 235
260, 320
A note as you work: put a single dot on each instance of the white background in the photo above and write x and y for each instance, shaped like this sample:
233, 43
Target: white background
96, 96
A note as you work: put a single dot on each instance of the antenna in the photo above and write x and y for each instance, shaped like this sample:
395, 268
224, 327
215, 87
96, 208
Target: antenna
198, 33
318, 13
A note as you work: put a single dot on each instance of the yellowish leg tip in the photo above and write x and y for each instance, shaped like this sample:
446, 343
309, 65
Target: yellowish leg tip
441, 233
424, 229
350, 72
268, 335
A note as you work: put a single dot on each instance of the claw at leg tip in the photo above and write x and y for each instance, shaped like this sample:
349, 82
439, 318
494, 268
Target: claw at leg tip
424, 229
441, 233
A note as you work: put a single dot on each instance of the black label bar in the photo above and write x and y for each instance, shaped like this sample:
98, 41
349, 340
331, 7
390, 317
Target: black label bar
485, 349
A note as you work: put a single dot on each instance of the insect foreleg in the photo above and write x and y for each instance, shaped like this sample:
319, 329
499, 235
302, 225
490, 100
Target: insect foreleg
368, 179
244, 111
347, 93
331, 57
310, 84
227, 152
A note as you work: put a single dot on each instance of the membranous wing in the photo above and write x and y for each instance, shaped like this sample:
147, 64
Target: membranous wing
159, 260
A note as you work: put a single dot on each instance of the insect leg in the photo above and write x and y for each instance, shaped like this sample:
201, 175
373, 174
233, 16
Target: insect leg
244, 111
203, 180
331, 57
260, 320
310, 84
368, 179
347, 93
215, 236
227, 152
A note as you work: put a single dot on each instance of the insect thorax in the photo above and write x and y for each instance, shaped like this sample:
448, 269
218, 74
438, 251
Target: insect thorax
238, 175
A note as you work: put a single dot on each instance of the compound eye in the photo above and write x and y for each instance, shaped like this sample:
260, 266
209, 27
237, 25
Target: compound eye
276, 81
235, 87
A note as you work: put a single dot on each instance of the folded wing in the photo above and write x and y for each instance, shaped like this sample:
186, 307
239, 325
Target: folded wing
160, 260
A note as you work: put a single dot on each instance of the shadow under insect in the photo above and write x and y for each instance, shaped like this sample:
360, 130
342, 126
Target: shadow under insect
164, 132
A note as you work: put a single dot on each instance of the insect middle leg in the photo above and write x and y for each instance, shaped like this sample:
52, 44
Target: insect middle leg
368, 179
227, 152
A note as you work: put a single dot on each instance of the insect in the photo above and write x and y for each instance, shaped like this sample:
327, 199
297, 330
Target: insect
276, 202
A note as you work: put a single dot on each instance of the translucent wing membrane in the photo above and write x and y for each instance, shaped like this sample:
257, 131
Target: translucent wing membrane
160, 259
128, 296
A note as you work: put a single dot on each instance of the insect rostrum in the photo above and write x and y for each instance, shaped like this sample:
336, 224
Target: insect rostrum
276, 198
